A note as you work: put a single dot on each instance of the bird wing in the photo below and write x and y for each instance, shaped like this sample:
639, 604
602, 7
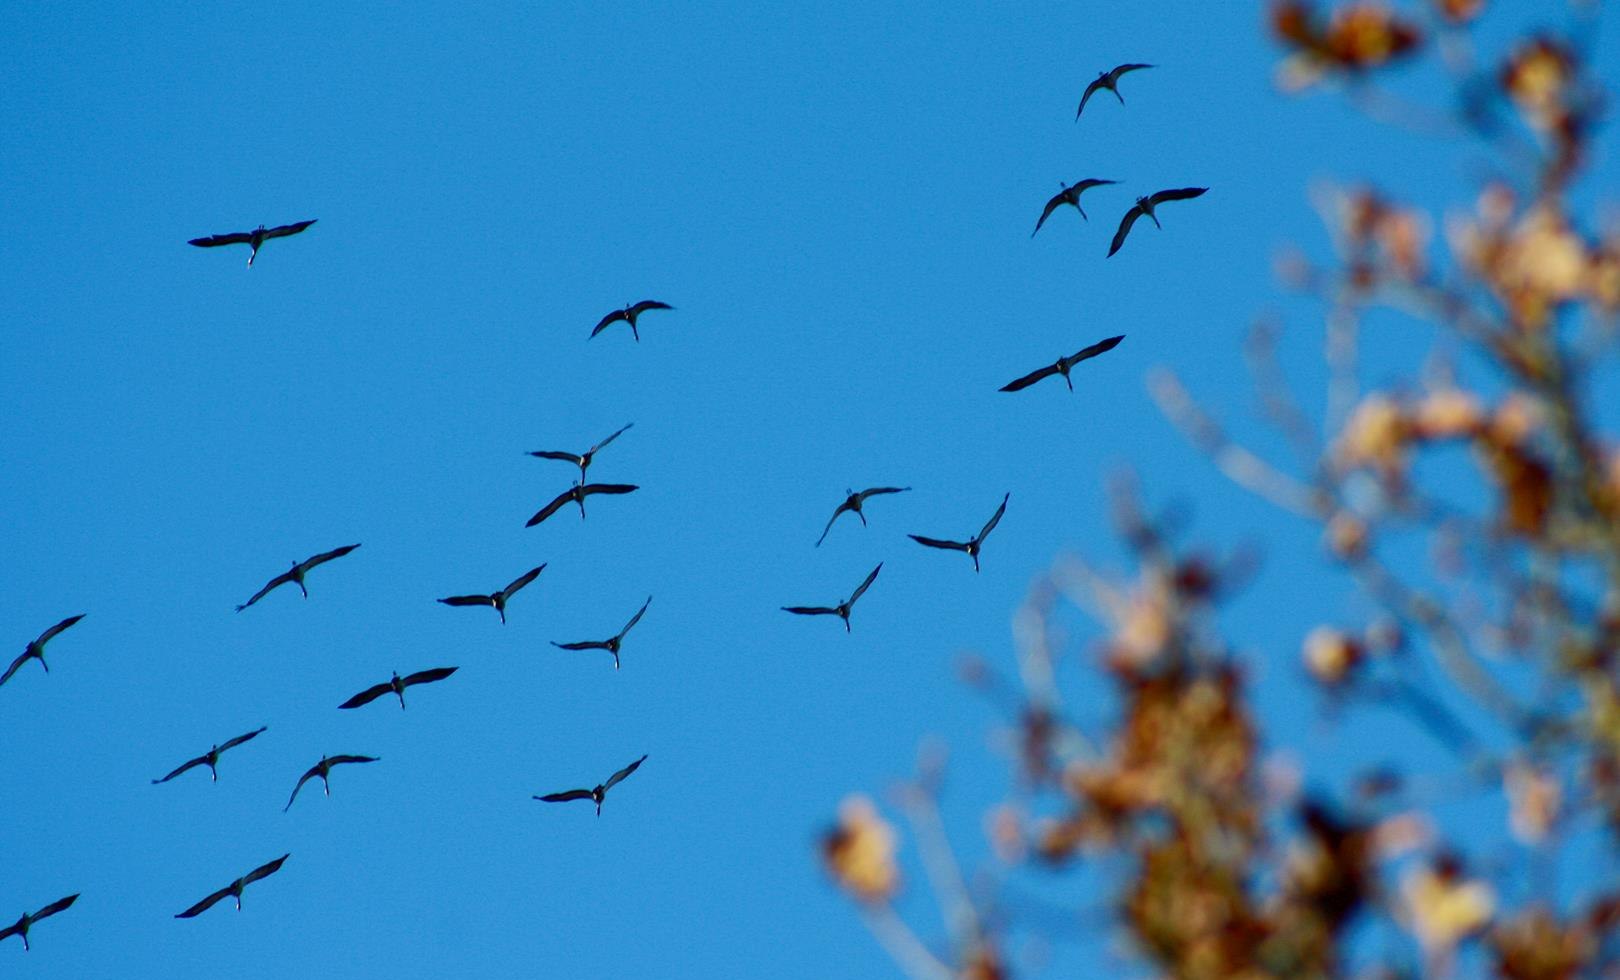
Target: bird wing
613, 317
826, 530
427, 676
11, 930
1081, 186
636, 618
610, 438
55, 907
238, 740
574, 458
200, 760
281, 579
590, 488
46, 636
264, 870
1124, 69
573, 794
309, 774
619, 776
648, 304
938, 543
875, 491
282, 231
342, 760
1094, 86
206, 903
326, 556
468, 600
552, 508
583, 645
1124, 228
1052, 205
233, 238
522, 580
367, 696
1030, 378
866, 584
995, 519
811, 610
13, 668
1100, 347
1178, 194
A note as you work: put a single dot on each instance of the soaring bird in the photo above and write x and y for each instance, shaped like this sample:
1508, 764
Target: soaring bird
234, 889
595, 794
497, 599
22, 925
629, 314
211, 757
577, 493
1064, 365
610, 645
581, 460
398, 686
323, 769
35, 650
1145, 205
842, 609
1108, 80
853, 502
297, 572
971, 547
1069, 195
253, 239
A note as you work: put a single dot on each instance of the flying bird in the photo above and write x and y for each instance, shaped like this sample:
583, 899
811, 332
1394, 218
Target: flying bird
1108, 80
577, 493
595, 794
1145, 205
22, 925
1064, 365
581, 460
297, 572
234, 889
253, 239
853, 504
611, 645
496, 599
323, 769
1069, 195
629, 314
35, 650
398, 686
211, 757
842, 609
971, 547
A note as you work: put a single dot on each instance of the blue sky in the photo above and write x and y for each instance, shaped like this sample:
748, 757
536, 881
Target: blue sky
837, 200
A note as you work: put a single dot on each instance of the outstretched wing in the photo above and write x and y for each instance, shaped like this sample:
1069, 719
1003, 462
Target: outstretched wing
648, 304
995, 519
469, 600
833, 520
866, 584
876, 491
1124, 69
613, 317
1057, 201
610, 438
1100, 347
574, 458
206, 903
367, 696
1094, 86
311, 773
1124, 228
282, 231
811, 610
326, 556
427, 676
522, 580
264, 870
1178, 194
1030, 378
200, 760
583, 645
636, 618
552, 507
937, 543
343, 760
619, 776
233, 238
23, 658
591, 488
279, 580
573, 794
238, 740
46, 636
55, 907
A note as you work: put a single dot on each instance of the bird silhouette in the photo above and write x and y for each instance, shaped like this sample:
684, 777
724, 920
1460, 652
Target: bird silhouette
22, 925
577, 493
1108, 80
971, 547
234, 889
211, 757
297, 572
843, 608
853, 503
398, 686
253, 239
1145, 205
496, 599
1064, 365
597, 793
1069, 195
35, 650
581, 460
610, 645
629, 315
323, 769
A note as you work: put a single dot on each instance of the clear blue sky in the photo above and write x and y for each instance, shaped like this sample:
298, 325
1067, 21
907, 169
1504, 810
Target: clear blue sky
838, 201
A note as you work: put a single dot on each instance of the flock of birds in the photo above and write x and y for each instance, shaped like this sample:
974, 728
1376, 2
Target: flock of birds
854, 503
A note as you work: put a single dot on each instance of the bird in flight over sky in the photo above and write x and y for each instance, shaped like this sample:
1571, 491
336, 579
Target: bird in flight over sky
853, 504
1069, 195
1064, 365
234, 889
629, 315
211, 757
611, 645
323, 769
1145, 205
297, 572
497, 599
842, 609
577, 493
1110, 81
398, 686
581, 460
596, 794
35, 650
971, 547
253, 239
22, 925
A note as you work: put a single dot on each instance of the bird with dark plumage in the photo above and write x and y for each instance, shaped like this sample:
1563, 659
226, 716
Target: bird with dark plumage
1145, 205
1064, 365
595, 794
1108, 80
398, 686
629, 315
1069, 195
498, 599
234, 889
577, 494
297, 572
253, 239
35, 650
581, 460
612, 644
323, 769
211, 757
22, 925
841, 610
854, 504
973, 546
